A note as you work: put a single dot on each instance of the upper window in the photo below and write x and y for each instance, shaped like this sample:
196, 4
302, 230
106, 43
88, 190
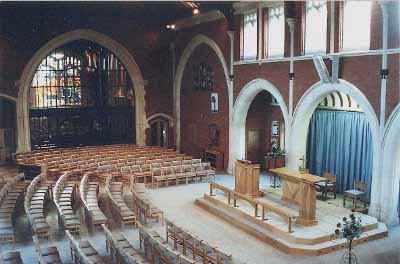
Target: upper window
316, 27
356, 25
276, 32
250, 36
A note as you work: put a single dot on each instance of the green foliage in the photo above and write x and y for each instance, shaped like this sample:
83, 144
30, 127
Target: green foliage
350, 228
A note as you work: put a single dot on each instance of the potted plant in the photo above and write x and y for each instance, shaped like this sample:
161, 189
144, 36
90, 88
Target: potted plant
350, 229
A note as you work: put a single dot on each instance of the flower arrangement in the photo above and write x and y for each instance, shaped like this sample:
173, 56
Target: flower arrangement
350, 229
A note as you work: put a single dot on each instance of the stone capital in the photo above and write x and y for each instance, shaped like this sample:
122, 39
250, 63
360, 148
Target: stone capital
291, 22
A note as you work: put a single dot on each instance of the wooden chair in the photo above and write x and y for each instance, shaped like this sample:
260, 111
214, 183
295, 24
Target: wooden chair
327, 186
359, 191
48, 255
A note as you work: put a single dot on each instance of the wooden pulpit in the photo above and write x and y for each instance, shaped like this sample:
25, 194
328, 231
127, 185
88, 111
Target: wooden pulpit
247, 177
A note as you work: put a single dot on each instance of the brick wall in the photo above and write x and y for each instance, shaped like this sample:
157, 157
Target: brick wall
150, 48
148, 45
196, 113
8, 67
361, 71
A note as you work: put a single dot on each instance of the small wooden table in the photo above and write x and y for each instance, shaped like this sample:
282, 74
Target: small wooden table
298, 188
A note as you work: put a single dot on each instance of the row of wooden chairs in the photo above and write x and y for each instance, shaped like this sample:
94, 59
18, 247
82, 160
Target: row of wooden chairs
82, 162
82, 252
89, 190
121, 250
146, 212
36, 198
195, 172
185, 241
139, 168
118, 206
9, 196
80, 165
83, 149
47, 255
64, 196
35, 157
157, 250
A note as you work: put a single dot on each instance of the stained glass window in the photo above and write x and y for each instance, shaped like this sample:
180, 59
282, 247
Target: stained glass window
81, 94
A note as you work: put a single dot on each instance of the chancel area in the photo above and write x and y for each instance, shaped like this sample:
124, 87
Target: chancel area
200, 132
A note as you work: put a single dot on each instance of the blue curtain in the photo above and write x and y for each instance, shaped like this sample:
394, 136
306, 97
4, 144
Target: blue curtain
340, 142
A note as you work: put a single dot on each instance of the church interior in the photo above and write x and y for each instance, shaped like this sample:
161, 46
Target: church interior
209, 132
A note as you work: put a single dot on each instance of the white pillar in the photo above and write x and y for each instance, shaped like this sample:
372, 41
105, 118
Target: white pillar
291, 22
381, 196
332, 33
172, 48
231, 35
260, 33
384, 65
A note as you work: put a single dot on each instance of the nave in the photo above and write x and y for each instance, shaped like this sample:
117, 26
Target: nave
178, 204
73, 201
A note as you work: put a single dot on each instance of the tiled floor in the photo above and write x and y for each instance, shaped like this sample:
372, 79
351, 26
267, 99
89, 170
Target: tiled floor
178, 204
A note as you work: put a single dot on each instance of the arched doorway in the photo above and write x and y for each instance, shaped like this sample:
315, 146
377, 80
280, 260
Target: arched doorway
265, 132
390, 184
159, 132
8, 126
81, 94
301, 120
82, 34
239, 116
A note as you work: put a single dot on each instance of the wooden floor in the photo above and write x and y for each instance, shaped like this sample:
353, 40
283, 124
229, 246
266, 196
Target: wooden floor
305, 240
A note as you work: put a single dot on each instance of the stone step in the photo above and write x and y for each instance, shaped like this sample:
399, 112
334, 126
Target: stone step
275, 223
281, 243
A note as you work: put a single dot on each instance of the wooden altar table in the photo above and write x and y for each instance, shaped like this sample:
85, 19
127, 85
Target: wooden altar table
298, 188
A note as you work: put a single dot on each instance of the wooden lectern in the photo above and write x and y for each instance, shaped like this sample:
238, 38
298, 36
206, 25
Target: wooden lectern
247, 176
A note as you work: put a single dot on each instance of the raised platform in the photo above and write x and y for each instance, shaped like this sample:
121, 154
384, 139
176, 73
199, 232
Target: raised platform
305, 240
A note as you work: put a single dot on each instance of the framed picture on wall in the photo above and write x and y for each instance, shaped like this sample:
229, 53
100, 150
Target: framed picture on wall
203, 77
275, 128
214, 102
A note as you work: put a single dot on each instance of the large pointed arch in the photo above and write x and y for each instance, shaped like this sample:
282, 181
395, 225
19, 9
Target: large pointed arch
301, 119
193, 44
237, 141
81, 34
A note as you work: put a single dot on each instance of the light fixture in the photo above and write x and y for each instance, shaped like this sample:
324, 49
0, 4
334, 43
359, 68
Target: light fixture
171, 27
196, 11
58, 55
119, 92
